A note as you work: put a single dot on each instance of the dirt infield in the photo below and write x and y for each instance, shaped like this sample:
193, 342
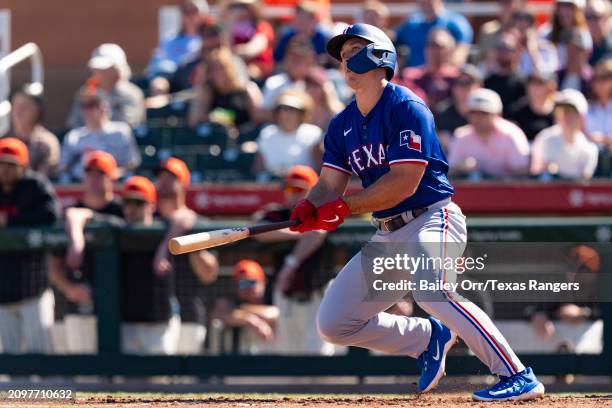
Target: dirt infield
454, 400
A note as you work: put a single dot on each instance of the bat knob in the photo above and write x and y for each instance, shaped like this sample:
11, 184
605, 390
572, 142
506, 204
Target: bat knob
174, 246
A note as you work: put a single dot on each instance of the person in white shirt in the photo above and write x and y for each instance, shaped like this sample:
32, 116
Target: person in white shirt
99, 133
563, 150
290, 140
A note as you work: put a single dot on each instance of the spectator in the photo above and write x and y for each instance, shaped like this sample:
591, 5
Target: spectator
213, 38
376, 13
568, 17
534, 113
182, 48
563, 150
99, 133
414, 31
222, 96
599, 117
306, 26
250, 36
189, 272
299, 59
326, 103
26, 115
300, 277
504, 79
599, 21
73, 272
453, 112
27, 199
537, 53
159, 94
489, 145
577, 72
248, 310
490, 31
432, 81
290, 140
111, 75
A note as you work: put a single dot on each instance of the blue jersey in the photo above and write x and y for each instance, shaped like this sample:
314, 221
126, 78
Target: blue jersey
400, 129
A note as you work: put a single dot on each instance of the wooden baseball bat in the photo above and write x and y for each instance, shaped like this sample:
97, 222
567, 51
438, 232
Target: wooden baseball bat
203, 240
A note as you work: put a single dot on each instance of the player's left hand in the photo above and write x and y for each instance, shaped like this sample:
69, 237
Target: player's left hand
331, 214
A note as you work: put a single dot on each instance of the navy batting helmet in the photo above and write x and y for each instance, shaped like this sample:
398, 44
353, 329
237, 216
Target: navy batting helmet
380, 53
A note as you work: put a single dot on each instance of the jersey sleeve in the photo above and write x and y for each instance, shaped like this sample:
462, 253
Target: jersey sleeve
412, 133
334, 156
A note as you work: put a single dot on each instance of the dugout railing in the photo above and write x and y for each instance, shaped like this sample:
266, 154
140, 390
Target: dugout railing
357, 362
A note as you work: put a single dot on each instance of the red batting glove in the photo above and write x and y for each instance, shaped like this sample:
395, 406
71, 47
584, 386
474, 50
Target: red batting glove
330, 215
304, 212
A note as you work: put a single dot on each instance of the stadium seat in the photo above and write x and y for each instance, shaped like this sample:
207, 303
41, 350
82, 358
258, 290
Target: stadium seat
205, 134
175, 109
153, 136
231, 165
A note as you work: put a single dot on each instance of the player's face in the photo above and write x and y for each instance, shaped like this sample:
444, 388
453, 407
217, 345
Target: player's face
10, 173
348, 50
136, 211
97, 182
251, 291
167, 184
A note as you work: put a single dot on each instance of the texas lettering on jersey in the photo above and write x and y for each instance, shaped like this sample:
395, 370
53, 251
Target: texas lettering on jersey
398, 130
375, 155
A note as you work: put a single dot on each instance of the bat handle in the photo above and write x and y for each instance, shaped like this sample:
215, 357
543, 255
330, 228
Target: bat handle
260, 229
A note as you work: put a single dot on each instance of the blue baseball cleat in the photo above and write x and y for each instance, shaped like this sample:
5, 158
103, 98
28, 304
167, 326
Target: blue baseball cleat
519, 387
433, 360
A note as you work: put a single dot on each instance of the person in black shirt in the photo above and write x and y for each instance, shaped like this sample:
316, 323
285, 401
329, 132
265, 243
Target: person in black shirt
190, 271
72, 271
505, 80
535, 112
452, 112
149, 323
27, 199
248, 313
300, 277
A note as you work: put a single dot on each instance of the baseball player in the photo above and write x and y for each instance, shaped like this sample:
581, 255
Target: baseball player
387, 137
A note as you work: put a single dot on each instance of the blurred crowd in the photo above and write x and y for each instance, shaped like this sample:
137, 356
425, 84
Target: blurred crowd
544, 112
513, 100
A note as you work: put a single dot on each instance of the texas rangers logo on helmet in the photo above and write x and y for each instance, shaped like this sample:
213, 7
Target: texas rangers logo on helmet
411, 140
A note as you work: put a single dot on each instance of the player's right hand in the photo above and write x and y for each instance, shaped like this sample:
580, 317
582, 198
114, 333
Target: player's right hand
306, 213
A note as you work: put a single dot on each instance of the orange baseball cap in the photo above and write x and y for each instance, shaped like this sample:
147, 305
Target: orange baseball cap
300, 176
178, 168
13, 150
103, 161
248, 269
140, 188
